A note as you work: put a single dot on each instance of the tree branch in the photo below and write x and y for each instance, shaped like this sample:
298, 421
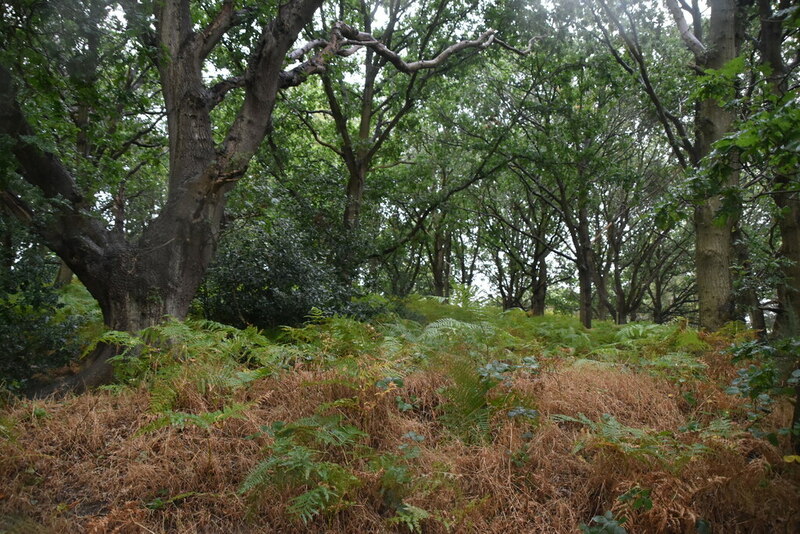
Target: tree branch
365, 39
39, 168
226, 19
690, 39
516, 50
220, 89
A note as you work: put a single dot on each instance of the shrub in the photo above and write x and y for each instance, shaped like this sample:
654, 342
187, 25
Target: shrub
39, 328
268, 274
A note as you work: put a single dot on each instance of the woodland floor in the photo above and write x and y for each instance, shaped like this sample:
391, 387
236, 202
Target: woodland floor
441, 419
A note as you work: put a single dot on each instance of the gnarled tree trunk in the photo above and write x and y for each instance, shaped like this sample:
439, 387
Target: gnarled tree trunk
137, 283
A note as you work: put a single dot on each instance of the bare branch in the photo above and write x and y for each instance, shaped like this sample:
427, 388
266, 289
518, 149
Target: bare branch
673, 128
365, 39
516, 50
690, 39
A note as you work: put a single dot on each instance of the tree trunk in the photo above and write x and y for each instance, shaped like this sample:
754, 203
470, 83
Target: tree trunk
657, 295
539, 290
713, 258
63, 276
585, 295
714, 252
601, 288
621, 313
749, 302
585, 255
440, 263
137, 284
787, 321
714, 246
355, 196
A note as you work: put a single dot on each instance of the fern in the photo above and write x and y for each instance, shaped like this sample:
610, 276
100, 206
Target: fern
410, 516
467, 411
312, 502
295, 461
677, 366
202, 420
643, 444
320, 430
447, 328
162, 396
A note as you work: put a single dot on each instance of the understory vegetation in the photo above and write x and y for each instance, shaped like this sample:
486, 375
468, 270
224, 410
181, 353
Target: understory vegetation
428, 417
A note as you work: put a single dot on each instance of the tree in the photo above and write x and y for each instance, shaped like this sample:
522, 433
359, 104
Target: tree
714, 251
782, 165
138, 280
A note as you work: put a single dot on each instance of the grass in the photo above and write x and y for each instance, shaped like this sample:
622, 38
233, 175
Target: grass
447, 419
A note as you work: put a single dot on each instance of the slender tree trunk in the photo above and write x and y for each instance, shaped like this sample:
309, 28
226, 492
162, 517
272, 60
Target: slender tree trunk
621, 313
787, 322
748, 297
440, 263
585, 295
586, 261
7, 251
658, 304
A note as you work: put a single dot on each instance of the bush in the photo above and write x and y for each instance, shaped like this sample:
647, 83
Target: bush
268, 274
37, 330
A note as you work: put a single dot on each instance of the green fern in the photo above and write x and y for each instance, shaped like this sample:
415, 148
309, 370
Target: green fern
410, 516
466, 412
296, 461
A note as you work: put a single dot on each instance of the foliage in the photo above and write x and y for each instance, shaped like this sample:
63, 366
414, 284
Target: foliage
604, 524
774, 374
268, 275
411, 425
295, 462
663, 448
203, 358
41, 327
204, 420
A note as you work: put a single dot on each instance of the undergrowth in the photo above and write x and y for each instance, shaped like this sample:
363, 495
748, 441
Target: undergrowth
432, 418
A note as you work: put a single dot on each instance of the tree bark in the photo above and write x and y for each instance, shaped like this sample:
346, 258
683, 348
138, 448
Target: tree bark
787, 321
440, 262
585, 255
713, 259
63, 276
